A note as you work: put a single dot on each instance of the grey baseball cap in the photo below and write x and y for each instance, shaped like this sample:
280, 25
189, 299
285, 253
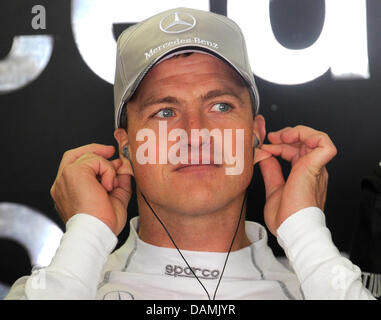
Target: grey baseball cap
143, 45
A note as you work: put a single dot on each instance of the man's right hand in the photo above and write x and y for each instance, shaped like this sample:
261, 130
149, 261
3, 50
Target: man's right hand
87, 182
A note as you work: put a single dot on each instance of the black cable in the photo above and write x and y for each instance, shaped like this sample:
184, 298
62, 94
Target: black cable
226, 260
175, 244
231, 245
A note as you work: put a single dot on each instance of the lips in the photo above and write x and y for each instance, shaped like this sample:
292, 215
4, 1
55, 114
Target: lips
195, 167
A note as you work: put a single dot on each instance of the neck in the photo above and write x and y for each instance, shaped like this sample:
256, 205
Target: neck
211, 232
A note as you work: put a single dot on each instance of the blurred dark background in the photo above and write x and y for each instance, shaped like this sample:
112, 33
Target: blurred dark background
68, 105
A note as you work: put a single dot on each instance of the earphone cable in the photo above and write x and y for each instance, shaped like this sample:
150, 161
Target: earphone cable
169, 235
227, 256
231, 246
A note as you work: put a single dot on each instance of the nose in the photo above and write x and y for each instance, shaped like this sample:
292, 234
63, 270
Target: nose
199, 142
194, 120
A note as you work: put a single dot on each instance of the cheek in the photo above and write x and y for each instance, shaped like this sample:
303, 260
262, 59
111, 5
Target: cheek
242, 147
151, 178
150, 174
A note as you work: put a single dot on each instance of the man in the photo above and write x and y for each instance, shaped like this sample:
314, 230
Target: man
180, 72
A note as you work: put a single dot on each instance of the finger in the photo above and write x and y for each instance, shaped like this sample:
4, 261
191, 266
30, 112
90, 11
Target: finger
319, 148
322, 150
298, 133
291, 135
123, 191
272, 175
99, 166
286, 152
275, 136
72, 155
261, 155
116, 163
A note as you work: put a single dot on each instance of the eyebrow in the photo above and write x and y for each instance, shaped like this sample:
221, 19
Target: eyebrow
218, 93
208, 96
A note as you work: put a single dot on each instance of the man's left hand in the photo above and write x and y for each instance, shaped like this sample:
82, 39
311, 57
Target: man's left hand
309, 151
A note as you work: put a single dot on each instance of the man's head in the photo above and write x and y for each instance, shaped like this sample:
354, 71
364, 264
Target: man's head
189, 91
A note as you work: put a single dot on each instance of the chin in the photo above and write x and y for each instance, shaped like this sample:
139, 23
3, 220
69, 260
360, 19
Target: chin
198, 204
202, 197
196, 191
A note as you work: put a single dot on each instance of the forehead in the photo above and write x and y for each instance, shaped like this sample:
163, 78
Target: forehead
188, 68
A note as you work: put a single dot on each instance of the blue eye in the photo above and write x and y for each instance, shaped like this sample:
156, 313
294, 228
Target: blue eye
221, 107
165, 113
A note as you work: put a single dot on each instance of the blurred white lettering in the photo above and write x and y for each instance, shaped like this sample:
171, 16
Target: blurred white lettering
92, 23
39, 20
28, 57
341, 46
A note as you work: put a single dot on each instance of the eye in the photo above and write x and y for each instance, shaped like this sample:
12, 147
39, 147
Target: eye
221, 107
165, 113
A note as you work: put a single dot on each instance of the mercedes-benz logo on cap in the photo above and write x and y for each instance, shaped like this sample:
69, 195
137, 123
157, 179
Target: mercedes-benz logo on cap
177, 22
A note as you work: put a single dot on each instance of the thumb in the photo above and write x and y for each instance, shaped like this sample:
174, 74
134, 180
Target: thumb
272, 175
260, 155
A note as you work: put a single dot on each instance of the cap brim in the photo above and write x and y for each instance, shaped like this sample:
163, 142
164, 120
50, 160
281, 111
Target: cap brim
253, 91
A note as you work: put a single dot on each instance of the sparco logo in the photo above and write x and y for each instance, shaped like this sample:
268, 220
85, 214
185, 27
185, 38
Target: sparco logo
178, 271
177, 22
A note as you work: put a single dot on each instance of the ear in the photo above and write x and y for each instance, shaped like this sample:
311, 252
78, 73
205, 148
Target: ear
121, 137
259, 130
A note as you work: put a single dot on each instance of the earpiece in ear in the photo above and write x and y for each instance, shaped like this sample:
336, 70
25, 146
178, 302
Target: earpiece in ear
256, 142
126, 152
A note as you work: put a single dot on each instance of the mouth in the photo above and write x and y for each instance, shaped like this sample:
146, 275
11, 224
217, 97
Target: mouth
196, 167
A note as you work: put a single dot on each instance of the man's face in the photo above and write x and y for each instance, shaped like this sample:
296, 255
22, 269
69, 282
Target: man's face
191, 92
